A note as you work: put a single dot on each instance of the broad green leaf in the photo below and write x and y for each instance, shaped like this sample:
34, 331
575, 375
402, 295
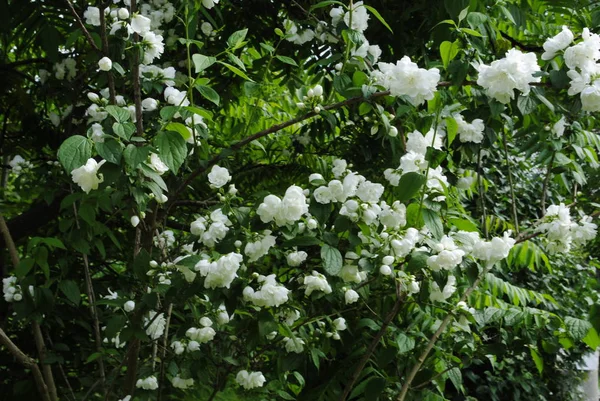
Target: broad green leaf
172, 149
235, 40
71, 290
180, 128
24, 267
433, 222
592, 339
448, 50
332, 259
327, 3
74, 152
209, 93
405, 343
526, 104
409, 185
202, 62
577, 328
118, 113
451, 129
135, 155
110, 150
537, 359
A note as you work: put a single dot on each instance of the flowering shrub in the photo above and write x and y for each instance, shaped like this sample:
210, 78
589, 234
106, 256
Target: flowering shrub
282, 214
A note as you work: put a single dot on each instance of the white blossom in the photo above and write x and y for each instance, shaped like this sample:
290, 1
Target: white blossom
155, 329
149, 383
218, 176
557, 43
351, 296
316, 282
105, 64
87, 176
250, 380
405, 78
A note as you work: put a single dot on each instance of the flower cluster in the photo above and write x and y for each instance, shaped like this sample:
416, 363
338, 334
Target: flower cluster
515, 71
211, 229
219, 273
270, 294
250, 380
561, 232
12, 290
284, 211
149, 383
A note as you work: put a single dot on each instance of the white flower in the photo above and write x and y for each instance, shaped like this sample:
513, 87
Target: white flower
105, 64
126, 398
11, 290
178, 382
271, 293
296, 258
129, 306
206, 322
206, 28
360, 17
250, 380
585, 231
284, 211
469, 132
222, 315
155, 329
87, 176
97, 133
438, 295
294, 345
350, 296
92, 16
339, 167
316, 282
584, 54
590, 97
220, 273
157, 164
218, 176
503, 76
193, 346
123, 13
164, 240
405, 78
149, 383
202, 335
557, 43
135, 220
315, 177
140, 24
153, 46
495, 250
579, 81
149, 104
340, 324
257, 249
209, 3
418, 143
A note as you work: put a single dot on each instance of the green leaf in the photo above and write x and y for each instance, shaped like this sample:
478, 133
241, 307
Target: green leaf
451, 129
74, 152
526, 104
110, 150
119, 130
471, 32
301, 241
374, 388
135, 155
202, 62
577, 328
235, 70
409, 185
455, 377
71, 290
378, 16
433, 222
448, 50
405, 343
172, 149
209, 93
24, 267
537, 359
287, 60
332, 259
118, 113
592, 339
235, 40
180, 128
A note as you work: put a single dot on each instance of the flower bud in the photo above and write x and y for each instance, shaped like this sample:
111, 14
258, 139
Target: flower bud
123, 13
135, 220
105, 64
385, 270
93, 97
393, 132
238, 244
317, 109
318, 90
129, 306
310, 93
311, 224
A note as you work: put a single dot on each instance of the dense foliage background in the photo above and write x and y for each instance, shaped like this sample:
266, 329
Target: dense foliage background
535, 311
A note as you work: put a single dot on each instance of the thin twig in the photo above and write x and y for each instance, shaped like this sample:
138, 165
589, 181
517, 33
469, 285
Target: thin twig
481, 194
433, 340
135, 71
164, 352
511, 185
546, 181
111, 78
82, 26
365, 358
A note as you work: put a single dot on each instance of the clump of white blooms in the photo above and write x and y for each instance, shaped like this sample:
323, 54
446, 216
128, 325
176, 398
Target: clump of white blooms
218, 176
201, 335
284, 211
514, 71
469, 132
65, 69
448, 255
164, 240
295, 35
356, 17
557, 43
12, 291
296, 258
440, 295
178, 382
92, 16
219, 273
155, 325
405, 78
87, 176
211, 229
316, 282
294, 344
149, 383
18, 164
250, 380
351, 296
495, 250
561, 232
255, 250
271, 293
